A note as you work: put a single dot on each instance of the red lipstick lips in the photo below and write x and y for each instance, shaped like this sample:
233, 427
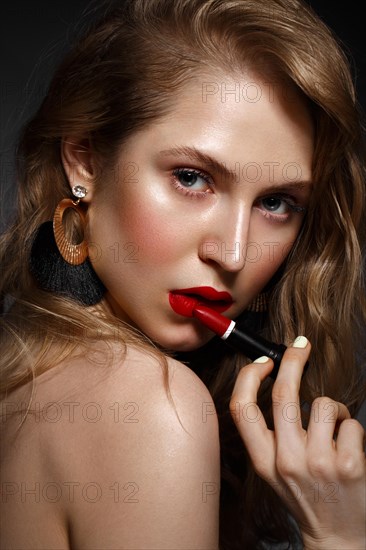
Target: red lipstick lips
183, 301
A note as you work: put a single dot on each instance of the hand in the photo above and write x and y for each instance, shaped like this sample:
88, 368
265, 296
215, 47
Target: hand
320, 477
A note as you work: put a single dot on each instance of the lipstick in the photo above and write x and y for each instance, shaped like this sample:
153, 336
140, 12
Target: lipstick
184, 300
252, 345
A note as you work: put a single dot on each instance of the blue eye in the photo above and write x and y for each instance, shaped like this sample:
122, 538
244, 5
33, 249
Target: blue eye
192, 182
275, 204
278, 208
188, 178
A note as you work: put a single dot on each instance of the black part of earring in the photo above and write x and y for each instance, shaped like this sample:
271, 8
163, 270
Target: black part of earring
54, 274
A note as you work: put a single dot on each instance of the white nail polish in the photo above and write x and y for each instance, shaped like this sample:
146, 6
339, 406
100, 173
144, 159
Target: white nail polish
262, 359
300, 342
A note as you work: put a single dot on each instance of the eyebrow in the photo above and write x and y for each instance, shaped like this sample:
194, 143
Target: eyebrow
209, 162
220, 168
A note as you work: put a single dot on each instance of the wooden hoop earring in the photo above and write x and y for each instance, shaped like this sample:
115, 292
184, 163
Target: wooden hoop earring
74, 254
60, 266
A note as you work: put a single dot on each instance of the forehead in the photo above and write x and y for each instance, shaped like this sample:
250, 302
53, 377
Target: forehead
246, 122
258, 117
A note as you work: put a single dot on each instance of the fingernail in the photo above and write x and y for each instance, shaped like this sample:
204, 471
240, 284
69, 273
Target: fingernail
262, 359
300, 342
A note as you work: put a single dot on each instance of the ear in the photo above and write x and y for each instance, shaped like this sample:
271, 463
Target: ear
79, 164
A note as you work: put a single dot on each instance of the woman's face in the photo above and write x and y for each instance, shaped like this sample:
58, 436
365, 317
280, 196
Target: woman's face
209, 196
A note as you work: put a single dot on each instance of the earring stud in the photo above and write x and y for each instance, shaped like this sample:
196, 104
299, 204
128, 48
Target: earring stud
79, 191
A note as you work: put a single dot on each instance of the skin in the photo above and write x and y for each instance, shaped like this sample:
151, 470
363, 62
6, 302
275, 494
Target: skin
320, 472
133, 476
179, 236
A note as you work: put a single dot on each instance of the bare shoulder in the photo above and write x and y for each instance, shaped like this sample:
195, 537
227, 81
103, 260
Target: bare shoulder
131, 466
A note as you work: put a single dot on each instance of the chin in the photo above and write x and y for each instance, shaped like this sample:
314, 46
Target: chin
184, 342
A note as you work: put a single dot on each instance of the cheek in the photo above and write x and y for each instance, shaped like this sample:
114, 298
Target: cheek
154, 240
271, 243
143, 225
265, 255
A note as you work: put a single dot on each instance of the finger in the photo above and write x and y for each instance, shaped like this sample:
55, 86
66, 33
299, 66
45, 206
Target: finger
249, 419
350, 448
325, 417
285, 394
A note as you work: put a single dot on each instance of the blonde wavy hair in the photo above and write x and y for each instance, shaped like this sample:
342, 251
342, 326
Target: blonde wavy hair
124, 73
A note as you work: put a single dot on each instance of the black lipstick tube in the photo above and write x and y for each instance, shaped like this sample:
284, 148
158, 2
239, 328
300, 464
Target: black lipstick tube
255, 346
251, 344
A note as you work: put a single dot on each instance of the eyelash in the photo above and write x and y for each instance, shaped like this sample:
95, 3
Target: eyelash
186, 191
290, 203
277, 218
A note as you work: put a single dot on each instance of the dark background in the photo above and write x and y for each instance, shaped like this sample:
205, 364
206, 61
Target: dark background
34, 35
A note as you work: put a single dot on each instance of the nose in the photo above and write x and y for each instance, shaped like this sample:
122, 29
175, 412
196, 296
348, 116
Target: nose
225, 241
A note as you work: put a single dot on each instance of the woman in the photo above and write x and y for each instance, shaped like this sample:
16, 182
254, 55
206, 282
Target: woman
196, 150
